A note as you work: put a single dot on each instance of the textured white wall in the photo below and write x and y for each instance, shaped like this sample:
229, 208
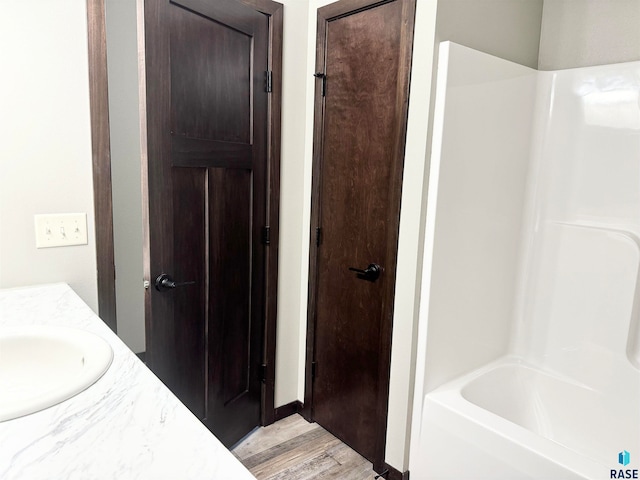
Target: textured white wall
124, 121
45, 152
295, 201
581, 33
508, 29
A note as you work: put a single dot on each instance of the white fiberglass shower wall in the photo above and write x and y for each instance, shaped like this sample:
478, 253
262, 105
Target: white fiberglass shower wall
529, 351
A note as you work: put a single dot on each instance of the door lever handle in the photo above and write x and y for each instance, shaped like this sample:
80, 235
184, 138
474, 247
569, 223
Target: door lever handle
164, 282
371, 273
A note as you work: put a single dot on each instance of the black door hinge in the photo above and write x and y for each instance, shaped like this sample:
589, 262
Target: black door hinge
266, 235
313, 370
318, 236
263, 373
324, 82
268, 81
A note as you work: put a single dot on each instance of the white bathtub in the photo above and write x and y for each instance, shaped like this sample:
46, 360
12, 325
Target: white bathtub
512, 421
532, 248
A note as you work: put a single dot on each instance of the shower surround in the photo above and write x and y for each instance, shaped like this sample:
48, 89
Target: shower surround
529, 351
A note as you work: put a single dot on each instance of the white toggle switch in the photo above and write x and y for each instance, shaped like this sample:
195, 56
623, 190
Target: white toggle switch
61, 230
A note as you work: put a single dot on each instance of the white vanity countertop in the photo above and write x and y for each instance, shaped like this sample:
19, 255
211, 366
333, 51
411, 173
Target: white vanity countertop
127, 425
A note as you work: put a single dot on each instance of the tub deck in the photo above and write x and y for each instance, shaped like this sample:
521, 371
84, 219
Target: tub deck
511, 420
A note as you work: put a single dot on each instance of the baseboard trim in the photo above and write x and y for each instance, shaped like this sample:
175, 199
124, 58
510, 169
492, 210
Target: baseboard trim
395, 474
287, 410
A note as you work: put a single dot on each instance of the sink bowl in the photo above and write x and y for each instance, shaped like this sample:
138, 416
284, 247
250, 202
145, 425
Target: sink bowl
41, 366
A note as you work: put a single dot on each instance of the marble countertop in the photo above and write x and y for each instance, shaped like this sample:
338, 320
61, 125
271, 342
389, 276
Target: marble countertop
127, 425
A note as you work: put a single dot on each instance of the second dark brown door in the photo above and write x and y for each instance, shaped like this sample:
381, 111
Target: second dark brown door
206, 192
363, 64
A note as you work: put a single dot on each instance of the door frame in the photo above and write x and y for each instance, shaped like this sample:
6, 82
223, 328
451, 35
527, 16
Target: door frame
326, 14
99, 105
101, 161
275, 13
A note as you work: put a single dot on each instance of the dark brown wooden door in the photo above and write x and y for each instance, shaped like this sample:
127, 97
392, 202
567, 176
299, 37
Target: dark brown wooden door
206, 192
359, 151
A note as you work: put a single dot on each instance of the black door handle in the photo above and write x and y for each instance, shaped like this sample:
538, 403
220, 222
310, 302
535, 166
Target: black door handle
164, 282
371, 273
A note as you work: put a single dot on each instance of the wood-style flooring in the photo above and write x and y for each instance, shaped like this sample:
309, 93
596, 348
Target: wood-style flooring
293, 449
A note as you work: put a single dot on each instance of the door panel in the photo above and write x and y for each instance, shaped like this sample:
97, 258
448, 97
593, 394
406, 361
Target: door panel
357, 178
207, 160
232, 348
199, 86
230, 302
189, 193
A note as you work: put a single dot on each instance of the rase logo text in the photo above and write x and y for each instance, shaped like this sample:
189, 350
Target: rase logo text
624, 458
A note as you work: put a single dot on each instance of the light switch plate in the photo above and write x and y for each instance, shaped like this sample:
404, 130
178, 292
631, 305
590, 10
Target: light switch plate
61, 230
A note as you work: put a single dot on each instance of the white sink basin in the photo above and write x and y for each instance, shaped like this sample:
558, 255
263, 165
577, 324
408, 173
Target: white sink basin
41, 366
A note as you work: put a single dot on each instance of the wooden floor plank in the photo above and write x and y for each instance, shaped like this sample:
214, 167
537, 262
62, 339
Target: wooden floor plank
344, 454
293, 452
307, 470
293, 449
285, 448
267, 437
360, 471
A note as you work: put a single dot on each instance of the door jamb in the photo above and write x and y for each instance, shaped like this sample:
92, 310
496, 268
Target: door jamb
274, 12
101, 161
326, 14
98, 90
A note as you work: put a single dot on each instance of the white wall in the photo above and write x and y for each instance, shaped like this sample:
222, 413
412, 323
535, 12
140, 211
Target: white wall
295, 201
508, 29
580, 33
45, 152
124, 120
